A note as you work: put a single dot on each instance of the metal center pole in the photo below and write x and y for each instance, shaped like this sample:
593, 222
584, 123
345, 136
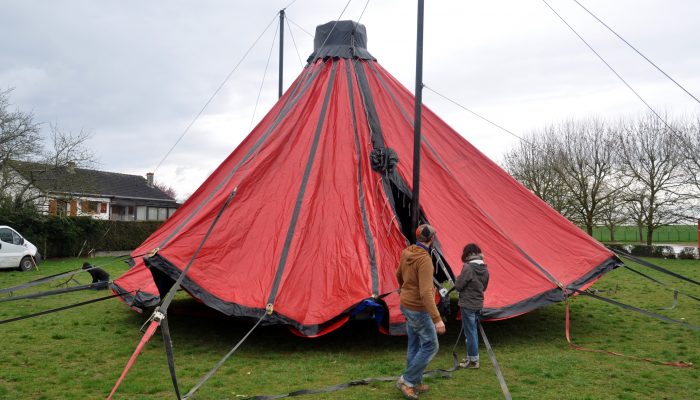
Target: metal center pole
415, 205
281, 73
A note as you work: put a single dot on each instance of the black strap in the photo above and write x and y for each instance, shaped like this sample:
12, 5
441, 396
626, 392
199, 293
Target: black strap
37, 295
223, 360
171, 293
652, 266
675, 291
639, 310
492, 355
165, 330
64, 307
435, 373
54, 277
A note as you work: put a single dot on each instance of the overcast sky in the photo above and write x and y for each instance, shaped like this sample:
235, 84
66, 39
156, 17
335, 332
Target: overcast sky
135, 73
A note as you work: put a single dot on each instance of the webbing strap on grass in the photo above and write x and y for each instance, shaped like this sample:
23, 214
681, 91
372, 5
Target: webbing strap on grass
492, 355
37, 295
652, 266
53, 310
435, 373
223, 360
168, 343
50, 278
678, 364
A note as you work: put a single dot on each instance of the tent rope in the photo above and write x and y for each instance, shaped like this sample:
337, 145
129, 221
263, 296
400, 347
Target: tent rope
638, 52
262, 82
216, 92
611, 68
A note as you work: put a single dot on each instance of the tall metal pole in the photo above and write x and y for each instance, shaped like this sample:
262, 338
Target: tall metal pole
415, 205
279, 91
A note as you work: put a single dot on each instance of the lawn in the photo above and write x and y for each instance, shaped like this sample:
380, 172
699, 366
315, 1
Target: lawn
80, 353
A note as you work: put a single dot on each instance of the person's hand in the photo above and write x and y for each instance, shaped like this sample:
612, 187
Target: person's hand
440, 327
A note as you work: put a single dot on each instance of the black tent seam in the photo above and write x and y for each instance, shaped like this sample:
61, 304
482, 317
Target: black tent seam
376, 133
292, 99
302, 189
237, 310
361, 194
547, 274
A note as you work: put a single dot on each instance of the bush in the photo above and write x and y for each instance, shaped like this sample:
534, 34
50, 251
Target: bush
70, 236
688, 253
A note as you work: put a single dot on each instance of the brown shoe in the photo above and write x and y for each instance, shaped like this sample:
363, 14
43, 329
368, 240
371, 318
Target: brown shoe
422, 388
407, 391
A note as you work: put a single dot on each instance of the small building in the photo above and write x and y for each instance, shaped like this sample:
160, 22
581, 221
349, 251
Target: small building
71, 191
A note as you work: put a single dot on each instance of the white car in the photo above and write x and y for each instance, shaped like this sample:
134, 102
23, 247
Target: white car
16, 251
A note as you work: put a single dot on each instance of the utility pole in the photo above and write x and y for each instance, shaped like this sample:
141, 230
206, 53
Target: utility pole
415, 205
281, 73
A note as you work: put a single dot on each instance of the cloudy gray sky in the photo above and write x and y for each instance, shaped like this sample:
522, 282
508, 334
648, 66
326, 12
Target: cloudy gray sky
135, 73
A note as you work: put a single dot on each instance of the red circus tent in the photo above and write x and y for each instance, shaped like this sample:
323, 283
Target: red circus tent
321, 209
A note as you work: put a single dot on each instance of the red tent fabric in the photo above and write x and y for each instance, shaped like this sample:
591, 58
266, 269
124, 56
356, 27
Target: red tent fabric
320, 211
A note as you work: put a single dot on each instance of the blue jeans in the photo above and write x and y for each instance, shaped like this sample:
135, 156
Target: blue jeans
422, 345
470, 319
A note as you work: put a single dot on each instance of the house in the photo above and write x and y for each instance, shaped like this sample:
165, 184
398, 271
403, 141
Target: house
71, 191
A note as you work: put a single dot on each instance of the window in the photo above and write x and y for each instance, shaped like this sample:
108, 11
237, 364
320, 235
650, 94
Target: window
162, 214
152, 213
171, 211
141, 213
6, 235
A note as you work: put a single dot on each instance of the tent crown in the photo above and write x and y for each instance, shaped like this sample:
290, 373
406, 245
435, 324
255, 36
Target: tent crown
344, 39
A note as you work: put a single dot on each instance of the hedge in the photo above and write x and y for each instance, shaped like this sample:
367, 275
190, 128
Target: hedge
73, 236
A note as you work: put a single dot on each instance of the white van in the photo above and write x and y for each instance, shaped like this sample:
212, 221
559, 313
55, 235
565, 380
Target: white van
16, 251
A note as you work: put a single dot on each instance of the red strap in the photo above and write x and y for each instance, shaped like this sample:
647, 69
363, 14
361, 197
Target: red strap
679, 364
146, 337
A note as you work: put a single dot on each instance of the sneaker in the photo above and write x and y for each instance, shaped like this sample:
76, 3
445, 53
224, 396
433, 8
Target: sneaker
472, 365
463, 363
407, 391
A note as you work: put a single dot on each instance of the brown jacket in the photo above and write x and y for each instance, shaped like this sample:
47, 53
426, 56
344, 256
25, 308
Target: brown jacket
415, 276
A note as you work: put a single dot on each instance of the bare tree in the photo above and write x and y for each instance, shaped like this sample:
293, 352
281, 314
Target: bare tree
530, 164
615, 211
584, 158
652, 157
66, 148
19, 140
167, 189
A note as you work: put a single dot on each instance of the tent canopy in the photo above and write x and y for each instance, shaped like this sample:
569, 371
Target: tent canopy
322, 208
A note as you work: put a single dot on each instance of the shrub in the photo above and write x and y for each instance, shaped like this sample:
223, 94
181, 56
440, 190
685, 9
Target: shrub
70, 236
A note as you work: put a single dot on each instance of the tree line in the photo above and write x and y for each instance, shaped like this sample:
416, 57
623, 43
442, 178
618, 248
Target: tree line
640, 171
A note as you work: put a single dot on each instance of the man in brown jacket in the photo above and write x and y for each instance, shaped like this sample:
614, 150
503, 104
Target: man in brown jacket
423, 322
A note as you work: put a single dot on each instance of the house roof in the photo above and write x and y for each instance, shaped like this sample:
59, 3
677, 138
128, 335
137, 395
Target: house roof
87, 181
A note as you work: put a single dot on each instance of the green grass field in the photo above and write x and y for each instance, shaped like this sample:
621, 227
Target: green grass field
79, 353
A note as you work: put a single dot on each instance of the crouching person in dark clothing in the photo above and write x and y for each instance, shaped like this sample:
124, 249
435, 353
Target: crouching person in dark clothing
471, 284
100, 277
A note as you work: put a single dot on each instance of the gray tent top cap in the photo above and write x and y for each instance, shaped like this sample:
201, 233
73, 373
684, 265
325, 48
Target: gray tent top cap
344, 39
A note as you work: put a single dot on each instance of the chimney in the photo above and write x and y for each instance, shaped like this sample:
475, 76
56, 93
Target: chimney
149, 179
70, 167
